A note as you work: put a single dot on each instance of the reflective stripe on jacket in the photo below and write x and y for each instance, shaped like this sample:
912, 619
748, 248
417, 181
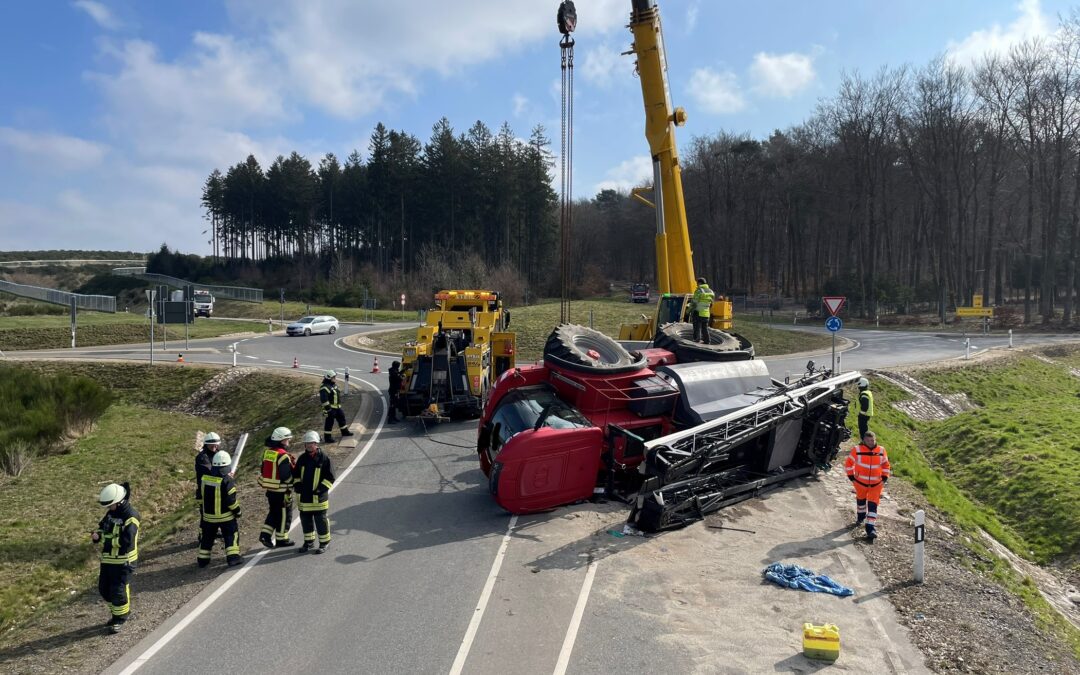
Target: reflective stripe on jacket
312, 481
329, 395
120, 536
866, 403
703, 299
868, 466
218, 499
276, 473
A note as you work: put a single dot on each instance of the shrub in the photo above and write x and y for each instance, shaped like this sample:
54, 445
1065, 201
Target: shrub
16, 457
41, 411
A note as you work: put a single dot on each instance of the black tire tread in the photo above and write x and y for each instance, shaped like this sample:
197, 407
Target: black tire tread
568, 345
678, 338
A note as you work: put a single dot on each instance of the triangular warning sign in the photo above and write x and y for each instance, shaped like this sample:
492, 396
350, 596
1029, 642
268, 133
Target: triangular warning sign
834, 303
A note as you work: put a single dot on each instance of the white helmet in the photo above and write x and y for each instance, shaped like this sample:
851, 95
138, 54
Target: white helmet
112, 494
280, 434
311, 437
221, 458
863, 383
211, 439
330, 374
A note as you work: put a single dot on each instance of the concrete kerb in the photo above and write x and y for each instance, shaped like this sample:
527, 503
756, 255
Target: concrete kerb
346, 344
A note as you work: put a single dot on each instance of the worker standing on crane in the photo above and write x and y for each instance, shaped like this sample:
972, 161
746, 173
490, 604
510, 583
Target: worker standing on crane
330, 396
220, 509
866, 406
118, 533
312, 481
701, 309
277, 479
868, 467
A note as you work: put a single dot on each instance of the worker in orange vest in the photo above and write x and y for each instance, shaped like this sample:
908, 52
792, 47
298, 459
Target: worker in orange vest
868, 467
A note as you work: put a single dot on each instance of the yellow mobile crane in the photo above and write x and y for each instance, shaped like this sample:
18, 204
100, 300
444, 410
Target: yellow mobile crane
674, 257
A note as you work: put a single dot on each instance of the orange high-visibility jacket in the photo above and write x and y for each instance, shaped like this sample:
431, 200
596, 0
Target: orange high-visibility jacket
868, 466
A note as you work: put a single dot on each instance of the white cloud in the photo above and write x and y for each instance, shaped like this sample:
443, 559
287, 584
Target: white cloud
521, 104
53, 151
636, 171
99, 13
691, 16
782, 75
604, 65
716, 93
996, 39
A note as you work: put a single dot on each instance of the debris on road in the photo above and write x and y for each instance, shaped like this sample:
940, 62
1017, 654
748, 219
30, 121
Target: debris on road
800, 578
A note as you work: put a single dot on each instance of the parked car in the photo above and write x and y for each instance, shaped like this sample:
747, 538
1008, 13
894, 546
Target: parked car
310, 325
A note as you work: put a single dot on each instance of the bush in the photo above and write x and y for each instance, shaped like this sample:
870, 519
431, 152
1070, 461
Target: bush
41, 411
16, 457
33, 309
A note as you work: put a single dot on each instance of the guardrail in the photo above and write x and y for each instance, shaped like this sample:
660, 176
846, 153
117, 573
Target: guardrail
231, 292
66, 262
94, 303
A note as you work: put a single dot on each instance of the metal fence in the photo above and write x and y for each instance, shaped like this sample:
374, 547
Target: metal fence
231, 292
66, 263
95, 303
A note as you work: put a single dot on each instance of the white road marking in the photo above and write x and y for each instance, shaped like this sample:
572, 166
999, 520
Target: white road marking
485, 595
575, 621
273, 361
194, 614
255, 358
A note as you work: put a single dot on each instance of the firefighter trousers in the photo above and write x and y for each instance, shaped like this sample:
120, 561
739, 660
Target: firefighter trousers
312, 521
279, 516
115, 588
230, 532
867, 498
335, 415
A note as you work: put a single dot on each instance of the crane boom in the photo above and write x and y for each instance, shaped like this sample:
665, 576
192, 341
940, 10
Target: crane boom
674, 261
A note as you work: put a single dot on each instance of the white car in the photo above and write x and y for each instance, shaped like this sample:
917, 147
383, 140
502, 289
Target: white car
310, 325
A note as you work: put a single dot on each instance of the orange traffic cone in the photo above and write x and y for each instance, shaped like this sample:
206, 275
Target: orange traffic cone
375, 366
295, 363
180, 358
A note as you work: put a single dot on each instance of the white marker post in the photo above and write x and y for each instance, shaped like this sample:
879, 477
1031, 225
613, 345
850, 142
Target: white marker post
967, 348
1010, 338
920, 536
232, 348
346, 379
839, 368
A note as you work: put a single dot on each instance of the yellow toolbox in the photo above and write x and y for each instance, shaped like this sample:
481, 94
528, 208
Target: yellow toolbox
821, 642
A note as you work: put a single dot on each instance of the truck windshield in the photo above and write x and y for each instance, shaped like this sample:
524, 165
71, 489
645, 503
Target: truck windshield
520, 409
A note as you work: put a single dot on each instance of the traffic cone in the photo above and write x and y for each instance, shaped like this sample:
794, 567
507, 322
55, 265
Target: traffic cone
295, 363
180, 358
375, 366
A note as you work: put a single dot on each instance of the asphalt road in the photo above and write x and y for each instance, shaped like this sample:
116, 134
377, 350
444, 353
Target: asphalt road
426, 575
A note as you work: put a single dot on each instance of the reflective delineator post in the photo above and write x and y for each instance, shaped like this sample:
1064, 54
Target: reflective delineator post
233, 348
839, 357
920, 536
346, 379
1010, 338
967, 348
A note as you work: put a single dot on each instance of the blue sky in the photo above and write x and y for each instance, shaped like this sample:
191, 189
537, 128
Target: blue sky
113, 112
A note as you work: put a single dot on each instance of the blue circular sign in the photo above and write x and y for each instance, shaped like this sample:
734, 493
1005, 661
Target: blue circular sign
833, 323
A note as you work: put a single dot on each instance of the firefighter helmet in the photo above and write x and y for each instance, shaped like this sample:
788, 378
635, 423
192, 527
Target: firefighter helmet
280, 434
330, 374
221, 458
112, 494
863, 383
212, 439
311, 437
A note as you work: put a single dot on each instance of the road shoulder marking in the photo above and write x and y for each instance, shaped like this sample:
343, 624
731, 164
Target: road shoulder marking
575, 621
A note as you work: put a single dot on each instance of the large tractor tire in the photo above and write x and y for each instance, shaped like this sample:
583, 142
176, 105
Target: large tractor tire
587, 350
678, 338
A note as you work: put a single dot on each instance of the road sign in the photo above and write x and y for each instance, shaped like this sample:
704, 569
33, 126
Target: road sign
833, 323
402, 299
975, 311
833, 303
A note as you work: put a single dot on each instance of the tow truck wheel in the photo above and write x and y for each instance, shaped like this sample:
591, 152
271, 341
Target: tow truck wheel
584, 349
678, 338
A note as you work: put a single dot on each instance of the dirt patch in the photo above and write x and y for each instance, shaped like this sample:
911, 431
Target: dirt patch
72, 638
199, 402
961, 620
925, 403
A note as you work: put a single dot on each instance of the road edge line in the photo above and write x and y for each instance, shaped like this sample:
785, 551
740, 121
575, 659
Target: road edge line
575, 621
161, 642
481, 605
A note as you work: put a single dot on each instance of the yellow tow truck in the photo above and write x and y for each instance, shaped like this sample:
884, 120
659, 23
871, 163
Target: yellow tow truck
459, 352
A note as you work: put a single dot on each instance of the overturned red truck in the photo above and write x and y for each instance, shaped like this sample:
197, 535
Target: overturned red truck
676, 440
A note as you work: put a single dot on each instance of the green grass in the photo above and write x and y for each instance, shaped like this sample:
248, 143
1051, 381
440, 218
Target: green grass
46, 514
94, 328
295, 310
1008, 468
534, 323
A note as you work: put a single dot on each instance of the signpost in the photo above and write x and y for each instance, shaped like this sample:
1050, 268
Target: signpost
151, 296
282, 300
73, 309
402, 305
834, 303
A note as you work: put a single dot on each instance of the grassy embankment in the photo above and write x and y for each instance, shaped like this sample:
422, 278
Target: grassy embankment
47, 512
94, 328
295, 310
533, 324
1009, 468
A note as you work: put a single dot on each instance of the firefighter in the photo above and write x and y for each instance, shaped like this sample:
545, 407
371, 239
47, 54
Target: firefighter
395, 391
220, 509
866, 406
277, 478
330, 396
204, 460
118, 533
312, 481
701, 308
868, 467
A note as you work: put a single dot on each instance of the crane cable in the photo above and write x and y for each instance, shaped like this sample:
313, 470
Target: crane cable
567, 20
